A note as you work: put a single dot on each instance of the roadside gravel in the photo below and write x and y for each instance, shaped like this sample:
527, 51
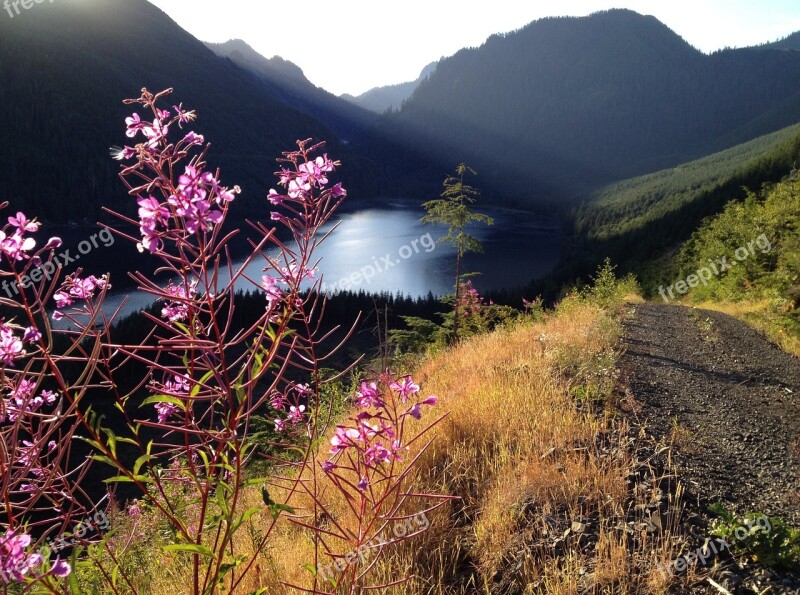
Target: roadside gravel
728, 402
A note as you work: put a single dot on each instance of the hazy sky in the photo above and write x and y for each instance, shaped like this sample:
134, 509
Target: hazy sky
354, 45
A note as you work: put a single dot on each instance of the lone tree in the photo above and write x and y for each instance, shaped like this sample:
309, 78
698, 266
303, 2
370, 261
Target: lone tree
452, 209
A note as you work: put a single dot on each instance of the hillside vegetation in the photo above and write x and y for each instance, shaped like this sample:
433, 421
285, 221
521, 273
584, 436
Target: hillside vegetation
761, 284
641, 222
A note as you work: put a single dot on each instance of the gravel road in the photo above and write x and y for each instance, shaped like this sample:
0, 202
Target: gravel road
726, 398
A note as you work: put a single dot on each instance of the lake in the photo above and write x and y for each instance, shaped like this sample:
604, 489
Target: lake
388, 249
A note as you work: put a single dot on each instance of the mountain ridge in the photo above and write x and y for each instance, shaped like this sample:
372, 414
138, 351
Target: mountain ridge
389, 97
88, 57
590, 100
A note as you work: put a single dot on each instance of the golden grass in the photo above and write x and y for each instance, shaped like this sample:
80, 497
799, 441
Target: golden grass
523, 460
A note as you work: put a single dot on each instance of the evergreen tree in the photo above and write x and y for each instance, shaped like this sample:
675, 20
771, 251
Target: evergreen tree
452, 209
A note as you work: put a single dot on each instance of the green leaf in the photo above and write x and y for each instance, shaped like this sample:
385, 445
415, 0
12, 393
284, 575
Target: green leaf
258, 365
111, 440
141, 461
206, 464
108, 461
126, 479
163, 399
192, 548
221, 494
198, 385
241, 394
228, 566
276, 509
245, 517
74, 587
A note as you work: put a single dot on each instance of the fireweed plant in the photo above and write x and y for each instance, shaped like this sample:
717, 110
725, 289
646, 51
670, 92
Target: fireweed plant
40, 480
371, 456
188, 417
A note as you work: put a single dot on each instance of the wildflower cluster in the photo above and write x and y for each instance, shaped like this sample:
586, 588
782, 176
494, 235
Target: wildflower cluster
76, 289
375, 437
12, 346
470, 302
39, 481
291, 406
22, 398
13, 242
370, 458
17, 565
194, 383
194, 204
302, 176
306, 196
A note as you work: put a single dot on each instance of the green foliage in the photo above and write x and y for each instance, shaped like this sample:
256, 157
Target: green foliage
640, 222
423, 335
607, 290
633, 203
452, 209
419, 335
766, 540
761, 238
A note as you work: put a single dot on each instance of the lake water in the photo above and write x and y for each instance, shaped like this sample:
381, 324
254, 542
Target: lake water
388, 249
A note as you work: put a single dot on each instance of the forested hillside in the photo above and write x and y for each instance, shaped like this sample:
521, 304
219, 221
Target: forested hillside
641, 222
759, 241
64, 71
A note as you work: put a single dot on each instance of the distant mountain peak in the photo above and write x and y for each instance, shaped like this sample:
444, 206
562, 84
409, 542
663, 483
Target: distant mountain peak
381, 99
595, 98
240, 51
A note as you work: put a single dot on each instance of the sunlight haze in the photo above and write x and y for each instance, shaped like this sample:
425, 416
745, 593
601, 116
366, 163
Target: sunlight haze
354, 45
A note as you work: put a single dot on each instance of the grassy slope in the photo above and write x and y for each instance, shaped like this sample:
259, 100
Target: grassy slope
519, 454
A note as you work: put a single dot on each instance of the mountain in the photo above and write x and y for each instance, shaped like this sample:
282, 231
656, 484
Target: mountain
790, 42
391, 97
564, 106
286, 82
65, 68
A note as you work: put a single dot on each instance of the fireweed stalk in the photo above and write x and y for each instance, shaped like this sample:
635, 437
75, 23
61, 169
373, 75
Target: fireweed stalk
205, 377
40, 390
188, 415
372, 455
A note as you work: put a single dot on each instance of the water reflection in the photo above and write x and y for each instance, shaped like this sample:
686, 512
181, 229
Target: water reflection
380, 250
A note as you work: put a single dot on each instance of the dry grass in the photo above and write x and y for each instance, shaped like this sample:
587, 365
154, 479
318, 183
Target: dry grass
525, 461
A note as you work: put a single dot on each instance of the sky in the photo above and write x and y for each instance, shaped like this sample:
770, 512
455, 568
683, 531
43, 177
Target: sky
350, 46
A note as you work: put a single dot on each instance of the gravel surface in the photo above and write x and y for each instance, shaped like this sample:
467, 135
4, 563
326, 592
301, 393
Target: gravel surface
728, 401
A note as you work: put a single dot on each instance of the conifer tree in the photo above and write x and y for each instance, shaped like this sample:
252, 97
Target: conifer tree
452, 208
